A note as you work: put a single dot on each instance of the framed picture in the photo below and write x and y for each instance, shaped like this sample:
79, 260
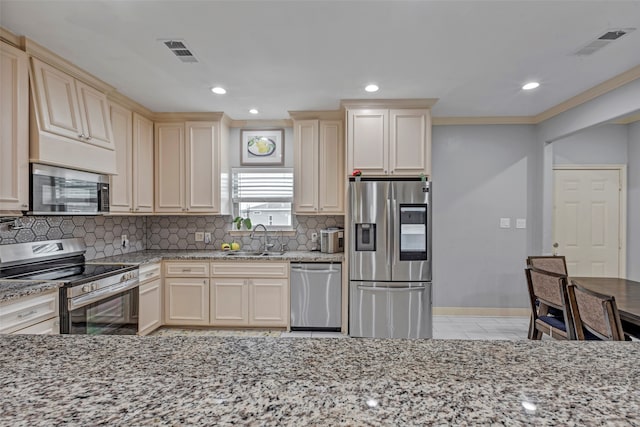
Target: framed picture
262, 147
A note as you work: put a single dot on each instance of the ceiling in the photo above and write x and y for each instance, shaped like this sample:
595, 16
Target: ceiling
280, 56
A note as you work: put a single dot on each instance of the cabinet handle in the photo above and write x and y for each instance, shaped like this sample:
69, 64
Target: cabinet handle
23, 315
25, 206
385, 171
149, 274
186, 270
137, 209
81, 136
88, 138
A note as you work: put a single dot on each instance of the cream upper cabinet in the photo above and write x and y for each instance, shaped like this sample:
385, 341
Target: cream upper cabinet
132, 188
71, 108
71, 125
189, 165
318, 167
389, 141
14, 129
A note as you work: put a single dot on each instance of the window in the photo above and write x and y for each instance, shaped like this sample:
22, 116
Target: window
264, 195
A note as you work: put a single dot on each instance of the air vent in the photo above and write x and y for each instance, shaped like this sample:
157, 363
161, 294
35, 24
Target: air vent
180, 49
603, 40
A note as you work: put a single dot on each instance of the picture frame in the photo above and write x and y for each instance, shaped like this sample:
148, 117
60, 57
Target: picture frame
262, 147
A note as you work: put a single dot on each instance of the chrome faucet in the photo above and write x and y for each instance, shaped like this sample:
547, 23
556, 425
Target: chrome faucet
266, 243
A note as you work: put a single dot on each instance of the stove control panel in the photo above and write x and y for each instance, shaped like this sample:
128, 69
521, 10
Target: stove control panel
129, 275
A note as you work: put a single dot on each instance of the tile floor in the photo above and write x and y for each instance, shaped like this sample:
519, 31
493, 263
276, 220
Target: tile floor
444, 327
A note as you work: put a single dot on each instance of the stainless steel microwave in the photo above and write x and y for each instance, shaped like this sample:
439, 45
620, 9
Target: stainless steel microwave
60, 191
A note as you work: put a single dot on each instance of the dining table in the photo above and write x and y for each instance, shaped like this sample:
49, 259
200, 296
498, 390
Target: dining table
627, 295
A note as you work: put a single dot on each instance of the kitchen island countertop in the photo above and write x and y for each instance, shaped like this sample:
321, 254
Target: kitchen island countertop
187, 380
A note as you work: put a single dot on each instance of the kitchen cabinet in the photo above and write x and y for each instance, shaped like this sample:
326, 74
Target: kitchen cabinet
72, 125
35, 314
382, 142
186, 293
318, 167
14, 129
250, 294
132, 188
150, 299
190, 158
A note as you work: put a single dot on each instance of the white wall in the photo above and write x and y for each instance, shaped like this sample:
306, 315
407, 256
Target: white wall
633, 203
480, 174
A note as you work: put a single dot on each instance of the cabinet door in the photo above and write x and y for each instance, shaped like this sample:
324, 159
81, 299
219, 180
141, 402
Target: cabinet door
169, 167
305, 185
202, 175
409, 144
57, 100
94, 113
229, 302
14, 129
150, 308
186, 301
142, 164
121, 184
48, 327
268, 302
331, 172
368, 141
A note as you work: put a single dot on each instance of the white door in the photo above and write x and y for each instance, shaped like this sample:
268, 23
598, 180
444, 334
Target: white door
586, 221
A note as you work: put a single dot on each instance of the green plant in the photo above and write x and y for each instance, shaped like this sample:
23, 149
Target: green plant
238, 221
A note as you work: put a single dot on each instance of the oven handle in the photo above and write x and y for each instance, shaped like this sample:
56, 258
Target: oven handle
92, 297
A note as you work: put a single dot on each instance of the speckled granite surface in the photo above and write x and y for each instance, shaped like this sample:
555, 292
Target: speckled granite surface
14, 289
11, 290
79, 380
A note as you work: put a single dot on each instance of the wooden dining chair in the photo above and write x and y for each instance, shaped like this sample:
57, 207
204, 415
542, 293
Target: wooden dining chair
553, 263
550, 289
595, 315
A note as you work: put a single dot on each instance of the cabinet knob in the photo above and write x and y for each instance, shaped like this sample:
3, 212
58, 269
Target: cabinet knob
81, 135
385, 171
25, 206
88, 137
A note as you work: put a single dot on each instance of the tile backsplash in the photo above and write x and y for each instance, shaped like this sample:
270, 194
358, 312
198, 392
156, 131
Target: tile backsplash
102, 233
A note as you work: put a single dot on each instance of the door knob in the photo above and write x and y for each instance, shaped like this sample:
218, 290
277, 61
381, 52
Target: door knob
555, 248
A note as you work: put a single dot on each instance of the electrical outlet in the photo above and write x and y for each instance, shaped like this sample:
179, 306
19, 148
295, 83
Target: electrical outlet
199, 236
124, 240
314, 237
505, 222
521, 223
207, 237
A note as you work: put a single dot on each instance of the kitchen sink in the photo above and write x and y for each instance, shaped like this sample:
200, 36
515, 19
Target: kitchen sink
265, 254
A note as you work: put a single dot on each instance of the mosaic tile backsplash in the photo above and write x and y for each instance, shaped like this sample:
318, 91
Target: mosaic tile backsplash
102, 233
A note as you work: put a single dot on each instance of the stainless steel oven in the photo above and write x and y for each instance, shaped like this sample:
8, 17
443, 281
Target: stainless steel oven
96, 299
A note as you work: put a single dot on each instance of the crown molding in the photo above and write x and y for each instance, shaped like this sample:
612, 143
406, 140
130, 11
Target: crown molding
185, 117
388, 103
589, 94
130, 104
8, 37
261, 124
317, 115
497, 120
628, 119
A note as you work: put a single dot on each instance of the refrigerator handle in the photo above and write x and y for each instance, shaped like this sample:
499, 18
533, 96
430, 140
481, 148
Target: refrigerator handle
395, 235
389, 231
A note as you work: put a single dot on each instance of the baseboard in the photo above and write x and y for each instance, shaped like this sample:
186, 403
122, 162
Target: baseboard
480, 311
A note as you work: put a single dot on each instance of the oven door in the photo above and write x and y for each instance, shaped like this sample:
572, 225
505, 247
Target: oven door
113, 315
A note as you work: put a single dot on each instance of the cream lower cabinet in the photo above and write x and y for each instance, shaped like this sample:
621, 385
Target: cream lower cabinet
249, 294
150, 299
389, 141
186, 289
36, 314
14, 125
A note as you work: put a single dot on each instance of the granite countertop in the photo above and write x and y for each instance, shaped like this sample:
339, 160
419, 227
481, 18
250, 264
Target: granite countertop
120, 380
14, 289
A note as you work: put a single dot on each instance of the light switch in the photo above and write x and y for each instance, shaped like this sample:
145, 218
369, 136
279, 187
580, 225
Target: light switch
199, 236
505, 222
521, 223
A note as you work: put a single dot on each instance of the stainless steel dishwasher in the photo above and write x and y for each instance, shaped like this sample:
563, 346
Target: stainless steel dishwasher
316, 296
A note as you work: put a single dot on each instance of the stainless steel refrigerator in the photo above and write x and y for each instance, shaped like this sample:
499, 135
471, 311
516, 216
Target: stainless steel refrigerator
390, 258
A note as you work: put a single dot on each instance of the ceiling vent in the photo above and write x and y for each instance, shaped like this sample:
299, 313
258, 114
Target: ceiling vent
180, 49
604, 40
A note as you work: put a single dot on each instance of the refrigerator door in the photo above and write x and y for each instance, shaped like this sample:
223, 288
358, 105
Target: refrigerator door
390, 310
370, 230
411, 222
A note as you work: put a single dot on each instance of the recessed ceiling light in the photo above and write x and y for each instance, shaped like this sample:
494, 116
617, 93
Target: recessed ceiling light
530, 85
253, 111
371, 88
219, 90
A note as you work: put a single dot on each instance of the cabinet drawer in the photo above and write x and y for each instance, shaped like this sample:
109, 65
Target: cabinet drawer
48, 327
186, 269
28, 311
250, 269
149, 272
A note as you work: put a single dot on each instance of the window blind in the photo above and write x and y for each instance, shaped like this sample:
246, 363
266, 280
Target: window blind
262, 185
